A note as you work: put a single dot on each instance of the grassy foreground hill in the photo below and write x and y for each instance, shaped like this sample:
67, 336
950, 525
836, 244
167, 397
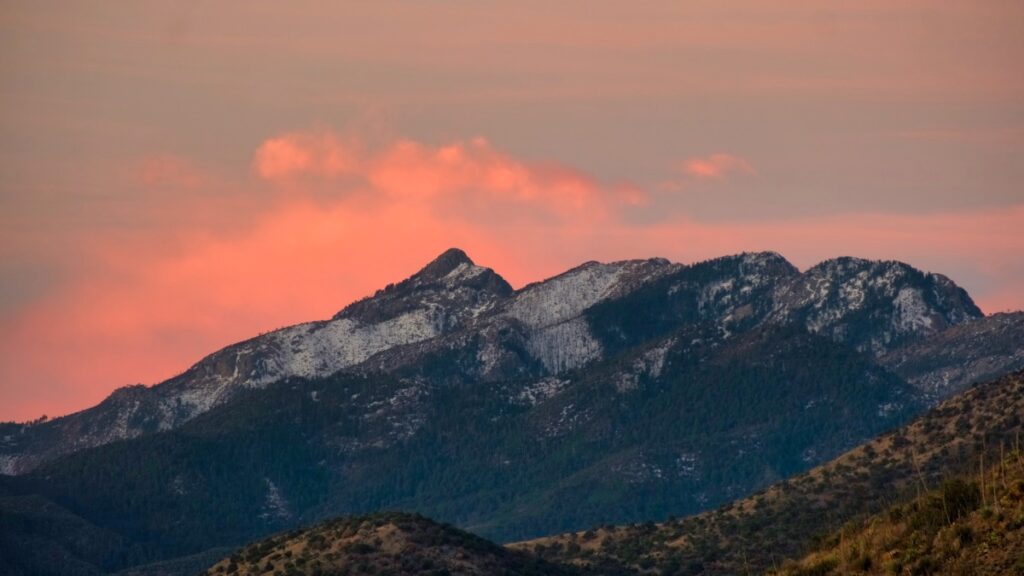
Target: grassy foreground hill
790, 518
968, 526
383, 543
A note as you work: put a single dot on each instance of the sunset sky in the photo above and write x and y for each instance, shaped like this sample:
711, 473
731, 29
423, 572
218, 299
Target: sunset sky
177, 176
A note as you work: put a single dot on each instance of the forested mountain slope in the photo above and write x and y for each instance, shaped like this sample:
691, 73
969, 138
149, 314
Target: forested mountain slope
786, 520
951, 516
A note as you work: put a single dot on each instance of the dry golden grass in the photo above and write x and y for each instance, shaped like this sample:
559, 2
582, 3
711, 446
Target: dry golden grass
930, 535
384, 543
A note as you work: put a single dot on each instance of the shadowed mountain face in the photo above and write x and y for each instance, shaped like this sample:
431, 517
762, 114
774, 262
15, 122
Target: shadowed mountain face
613, 392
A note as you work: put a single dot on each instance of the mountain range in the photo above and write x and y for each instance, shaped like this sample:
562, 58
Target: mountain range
612, 393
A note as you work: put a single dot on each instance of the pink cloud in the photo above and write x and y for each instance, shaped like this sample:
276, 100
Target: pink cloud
140, 308
297, 154
460, 174
716, 166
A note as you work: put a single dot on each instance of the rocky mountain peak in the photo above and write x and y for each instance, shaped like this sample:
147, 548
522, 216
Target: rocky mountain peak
873, 304
451, 283
767, 259
751, 267
444, 264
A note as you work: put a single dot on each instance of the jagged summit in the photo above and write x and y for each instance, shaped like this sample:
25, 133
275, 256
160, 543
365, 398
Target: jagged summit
944, 293
768, 263
764, 256
451, 283
873, 304
444, 264
767, 257
887, 276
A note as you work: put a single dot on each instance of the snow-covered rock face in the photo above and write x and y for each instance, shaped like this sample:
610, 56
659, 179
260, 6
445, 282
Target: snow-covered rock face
306, 350
638, 470
561, 338
442, 297
731, 298
455, 288
872, 305
449, 294
9, 465
650, 364
540, 391
564, 346
276, 506
911, 313
566, 296
951, 360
